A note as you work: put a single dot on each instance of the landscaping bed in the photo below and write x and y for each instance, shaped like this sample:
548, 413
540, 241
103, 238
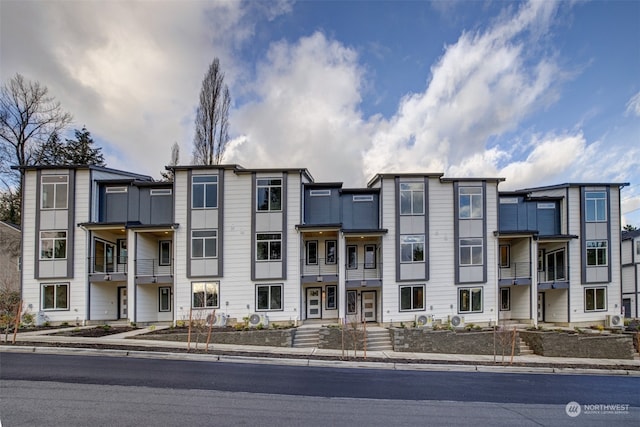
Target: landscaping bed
97, 332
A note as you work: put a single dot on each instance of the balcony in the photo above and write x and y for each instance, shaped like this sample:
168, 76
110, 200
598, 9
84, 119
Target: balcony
152, 271
319, 270
518, 273
363, 274
107, 269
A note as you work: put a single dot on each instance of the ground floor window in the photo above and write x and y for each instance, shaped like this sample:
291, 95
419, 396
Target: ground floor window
332, 297
205, 295
411, 297
55, 296
505, 299
352, 298
595, 299
268, 297
470, 300
164, 303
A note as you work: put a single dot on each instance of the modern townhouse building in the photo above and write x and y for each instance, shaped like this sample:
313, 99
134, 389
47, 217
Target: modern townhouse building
273, 245
631, 273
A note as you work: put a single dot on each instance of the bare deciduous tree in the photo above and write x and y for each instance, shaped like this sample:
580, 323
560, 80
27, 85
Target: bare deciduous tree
175, 158
212, 118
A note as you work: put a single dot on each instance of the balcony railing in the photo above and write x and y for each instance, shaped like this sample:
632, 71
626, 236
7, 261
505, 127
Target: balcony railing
319, 267
363, 271
517, 270
103, 265
152, 267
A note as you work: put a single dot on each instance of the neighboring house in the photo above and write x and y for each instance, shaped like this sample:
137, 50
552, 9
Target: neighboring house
275, 246
10, 246
631, 273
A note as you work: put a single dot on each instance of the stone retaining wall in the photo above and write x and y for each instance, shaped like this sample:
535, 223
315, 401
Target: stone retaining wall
557, 344
273, 338
422, 340
331, 338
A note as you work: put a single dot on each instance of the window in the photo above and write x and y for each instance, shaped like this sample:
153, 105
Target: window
164, 296
53, 245
369, 256
319, 193
504, 256
555, 266
330, 247
205, 294
352, 298
269, 247
469, 300
332, 297
540, 259
411, 297
596, 252
412, 248
204, 192
412, 198
54, 192
363, 198
115, 190
122, 251
638, 247
470, 251
104, 256
55, 296
505, 299
204, 243
352, 257
595, 299
164, 257
312, 252
160, 192
596, 206
470, 202
268, 297
269, 192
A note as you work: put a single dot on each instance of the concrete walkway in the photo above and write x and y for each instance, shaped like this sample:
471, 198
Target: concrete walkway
117, 345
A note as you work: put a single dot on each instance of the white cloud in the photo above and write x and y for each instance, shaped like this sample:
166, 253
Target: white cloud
633, 106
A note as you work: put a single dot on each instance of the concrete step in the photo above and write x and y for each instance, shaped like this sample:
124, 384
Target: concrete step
524, 348
307, 337
379, 340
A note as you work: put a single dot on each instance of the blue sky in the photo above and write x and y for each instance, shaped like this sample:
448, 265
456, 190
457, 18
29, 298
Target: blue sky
539, 93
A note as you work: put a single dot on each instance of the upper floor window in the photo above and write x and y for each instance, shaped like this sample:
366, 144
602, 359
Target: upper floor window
596, 206
269, 246
352, 257
204, 243
164, 252
363, 198
555, 266
111, 190
53, 245
369, 256
412, 198
470, 202
412, 248
204, 191
596, 252
269, 193
54, 192
471, 252
312, 252
319, 193
160, 192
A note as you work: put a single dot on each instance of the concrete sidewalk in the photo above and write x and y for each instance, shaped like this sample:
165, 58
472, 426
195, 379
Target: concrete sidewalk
122, 344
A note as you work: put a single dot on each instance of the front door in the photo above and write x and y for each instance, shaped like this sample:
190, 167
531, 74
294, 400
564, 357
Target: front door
314, 303
369, 306
540, 306
122, 298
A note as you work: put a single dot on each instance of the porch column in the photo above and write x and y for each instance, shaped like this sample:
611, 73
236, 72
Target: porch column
131, 275
533, 303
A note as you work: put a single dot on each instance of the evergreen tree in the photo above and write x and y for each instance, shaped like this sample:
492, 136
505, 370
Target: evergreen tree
80, 151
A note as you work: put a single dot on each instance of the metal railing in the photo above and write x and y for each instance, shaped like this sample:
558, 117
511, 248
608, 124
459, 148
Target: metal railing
318, 267
103, 265
363, 271
152, 267
516, 270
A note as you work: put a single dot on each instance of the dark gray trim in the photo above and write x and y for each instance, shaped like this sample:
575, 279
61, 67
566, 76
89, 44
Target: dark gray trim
36, 258
609, 252
284, 205
397, 219
252, 252
583, 241
456, 232
485, 255
189, 209
71, 211
427, 240
220, 242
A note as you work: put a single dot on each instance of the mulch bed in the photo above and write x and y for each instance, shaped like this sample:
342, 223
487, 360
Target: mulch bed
97, 332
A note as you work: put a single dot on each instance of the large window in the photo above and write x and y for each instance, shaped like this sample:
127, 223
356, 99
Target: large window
331, 247
53, 245
204, 243
470, 202
469, 300
412, 198
471, 252
332, 297
411, 297
505, 299
369, 256
164, 299
505, 251
164, 255
54, 192
268, 297
352, 257
596, 206
412, 248
104, 256
204, 191
595, 299
312, 252
55, 296
555, 266
269, 192
205, 295
596, 252
269, 247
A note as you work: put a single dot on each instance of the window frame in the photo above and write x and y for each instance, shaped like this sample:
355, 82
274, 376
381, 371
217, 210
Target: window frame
410, 192
270, 186
470, 301
309, 244
358, 198
370, 248
505, 256
404, 241
270, 297
554, 254
505, 292
162, 308
331, 305
55, 296
352, 265
474, 212
161, 260
595, 208
107, 267
331, 258
204, 243
198, 181
478, 242
595, 299
53, 240
319, 193
351, 300
56, 190
215, 295
271, 245
597, 252
412, 297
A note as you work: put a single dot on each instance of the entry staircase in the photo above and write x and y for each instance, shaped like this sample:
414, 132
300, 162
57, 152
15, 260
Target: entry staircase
306, 337
378, 339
